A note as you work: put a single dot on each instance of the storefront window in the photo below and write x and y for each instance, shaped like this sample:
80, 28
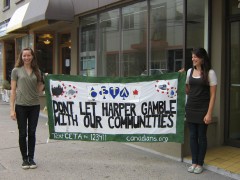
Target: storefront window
134, 39
197, 27
44, 52
10, 58
145, 37
109, 44
88, 43
166, 37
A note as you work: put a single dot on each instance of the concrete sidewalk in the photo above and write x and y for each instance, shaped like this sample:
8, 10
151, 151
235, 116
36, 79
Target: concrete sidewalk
85, 160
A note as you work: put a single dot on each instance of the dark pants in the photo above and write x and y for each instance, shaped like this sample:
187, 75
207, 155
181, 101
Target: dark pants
27, 119
198, 142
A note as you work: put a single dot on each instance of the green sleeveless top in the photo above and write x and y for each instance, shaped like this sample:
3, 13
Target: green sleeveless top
26, 92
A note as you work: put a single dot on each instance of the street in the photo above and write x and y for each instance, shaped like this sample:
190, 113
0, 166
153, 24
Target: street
85, 160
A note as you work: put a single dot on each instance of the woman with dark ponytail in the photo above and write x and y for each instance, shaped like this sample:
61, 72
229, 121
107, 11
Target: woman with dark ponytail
201, 86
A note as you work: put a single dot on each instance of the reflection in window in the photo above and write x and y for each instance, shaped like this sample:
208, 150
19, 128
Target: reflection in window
235, 54
134, 35
128, 21
144, 39
166, 27
109, 44
234, 7
158, 23
88, 53
197, 28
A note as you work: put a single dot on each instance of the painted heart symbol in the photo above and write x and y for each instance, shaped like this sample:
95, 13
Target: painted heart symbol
114, 91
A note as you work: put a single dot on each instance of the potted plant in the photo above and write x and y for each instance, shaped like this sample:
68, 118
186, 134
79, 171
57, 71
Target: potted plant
6, 86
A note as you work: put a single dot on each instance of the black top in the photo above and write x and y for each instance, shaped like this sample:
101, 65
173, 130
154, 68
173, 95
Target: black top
198, 99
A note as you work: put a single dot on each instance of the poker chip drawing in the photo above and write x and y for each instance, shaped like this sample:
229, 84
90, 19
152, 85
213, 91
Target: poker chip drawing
68, 91
57, 91
164, 87
172, 92
93, 94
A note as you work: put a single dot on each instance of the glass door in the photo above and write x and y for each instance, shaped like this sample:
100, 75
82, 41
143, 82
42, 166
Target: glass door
66, 60
233, 131
65, 53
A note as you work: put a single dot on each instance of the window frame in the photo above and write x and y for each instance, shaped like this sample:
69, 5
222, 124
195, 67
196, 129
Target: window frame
6, 5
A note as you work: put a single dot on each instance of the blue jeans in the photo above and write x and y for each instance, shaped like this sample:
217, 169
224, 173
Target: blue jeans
198, 142
27, 119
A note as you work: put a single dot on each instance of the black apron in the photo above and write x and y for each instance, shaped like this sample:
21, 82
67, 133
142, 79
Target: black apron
198, 100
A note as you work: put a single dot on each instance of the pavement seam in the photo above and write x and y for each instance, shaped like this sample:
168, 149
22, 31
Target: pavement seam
52, 142
2, 167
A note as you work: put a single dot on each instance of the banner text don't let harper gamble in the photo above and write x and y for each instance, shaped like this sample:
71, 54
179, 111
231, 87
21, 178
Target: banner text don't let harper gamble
144, 109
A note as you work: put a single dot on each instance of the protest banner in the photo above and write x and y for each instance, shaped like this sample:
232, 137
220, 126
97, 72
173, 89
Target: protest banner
123, 109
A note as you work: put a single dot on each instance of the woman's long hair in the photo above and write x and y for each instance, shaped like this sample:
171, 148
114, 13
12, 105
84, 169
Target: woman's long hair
206, 64
34, 65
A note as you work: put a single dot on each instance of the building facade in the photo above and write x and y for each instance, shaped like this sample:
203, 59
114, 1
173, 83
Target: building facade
131, 38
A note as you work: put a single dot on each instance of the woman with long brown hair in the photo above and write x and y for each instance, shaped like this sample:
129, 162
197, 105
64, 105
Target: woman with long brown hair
26, 83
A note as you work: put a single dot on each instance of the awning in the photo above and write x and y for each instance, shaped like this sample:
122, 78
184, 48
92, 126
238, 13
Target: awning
40, 10
17, 18
58, 10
